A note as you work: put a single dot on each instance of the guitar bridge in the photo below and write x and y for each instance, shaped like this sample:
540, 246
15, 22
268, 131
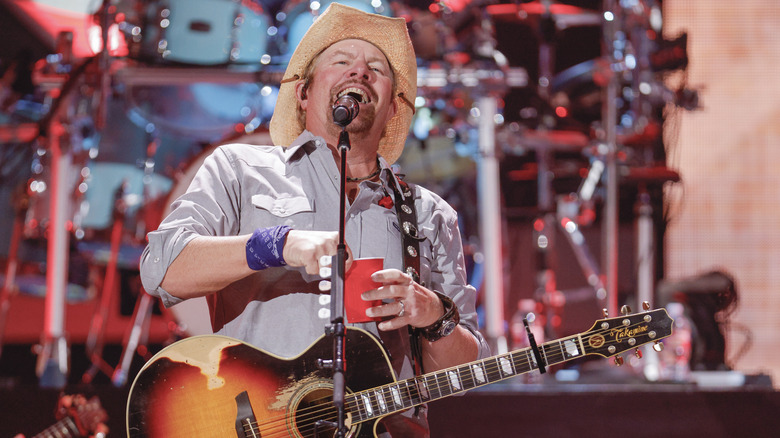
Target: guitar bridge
246, 423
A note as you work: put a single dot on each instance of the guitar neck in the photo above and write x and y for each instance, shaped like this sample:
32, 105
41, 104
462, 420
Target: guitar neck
64, 428
405, 394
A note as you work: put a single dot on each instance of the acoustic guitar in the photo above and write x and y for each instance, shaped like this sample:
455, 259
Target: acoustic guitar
216, 386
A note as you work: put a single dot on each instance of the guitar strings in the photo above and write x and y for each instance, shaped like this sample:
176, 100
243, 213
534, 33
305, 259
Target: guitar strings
552, 357
552, 352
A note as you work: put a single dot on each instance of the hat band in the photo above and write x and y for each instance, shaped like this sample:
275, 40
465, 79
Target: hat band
294, 78
407, 101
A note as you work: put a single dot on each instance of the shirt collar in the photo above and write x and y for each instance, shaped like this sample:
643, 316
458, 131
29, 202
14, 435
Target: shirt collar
387, 176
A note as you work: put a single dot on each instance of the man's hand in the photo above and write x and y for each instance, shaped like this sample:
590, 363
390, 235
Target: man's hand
306, 248
413, 304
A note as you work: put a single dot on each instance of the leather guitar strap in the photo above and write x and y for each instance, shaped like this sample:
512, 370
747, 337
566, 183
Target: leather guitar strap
410, 242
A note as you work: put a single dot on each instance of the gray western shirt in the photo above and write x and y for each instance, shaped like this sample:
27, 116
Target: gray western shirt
242, 187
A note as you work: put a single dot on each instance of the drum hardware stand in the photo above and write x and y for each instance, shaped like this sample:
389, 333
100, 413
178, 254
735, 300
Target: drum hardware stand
10, 288
552, 218
546, 51
136, 338
645, 247
490, 226
94, 345
52, 365
609, 116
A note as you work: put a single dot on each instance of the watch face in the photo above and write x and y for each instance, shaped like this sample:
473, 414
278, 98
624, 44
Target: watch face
447, 328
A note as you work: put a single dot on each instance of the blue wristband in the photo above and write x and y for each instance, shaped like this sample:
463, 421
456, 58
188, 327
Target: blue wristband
266, 247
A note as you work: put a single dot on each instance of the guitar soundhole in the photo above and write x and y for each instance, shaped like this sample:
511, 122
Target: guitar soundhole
316, 405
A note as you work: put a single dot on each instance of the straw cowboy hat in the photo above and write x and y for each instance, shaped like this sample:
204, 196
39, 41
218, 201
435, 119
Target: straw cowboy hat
337, 23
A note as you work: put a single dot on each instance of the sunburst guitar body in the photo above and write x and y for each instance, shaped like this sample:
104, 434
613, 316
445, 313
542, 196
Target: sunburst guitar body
215, 386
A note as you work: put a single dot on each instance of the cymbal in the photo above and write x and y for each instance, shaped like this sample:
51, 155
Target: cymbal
563, 15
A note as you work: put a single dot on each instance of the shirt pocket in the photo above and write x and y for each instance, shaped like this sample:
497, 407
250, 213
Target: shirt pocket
295, 211
283, 207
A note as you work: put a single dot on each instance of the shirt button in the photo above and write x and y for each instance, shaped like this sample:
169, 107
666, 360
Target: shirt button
157, 260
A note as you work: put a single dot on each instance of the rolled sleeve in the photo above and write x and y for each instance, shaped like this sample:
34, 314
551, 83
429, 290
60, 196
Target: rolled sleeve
208, 208
163, 248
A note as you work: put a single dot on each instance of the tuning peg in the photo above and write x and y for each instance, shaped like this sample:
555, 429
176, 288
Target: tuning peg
619, 361
625, 310
645, 305
658, 346
605, 312
638, 353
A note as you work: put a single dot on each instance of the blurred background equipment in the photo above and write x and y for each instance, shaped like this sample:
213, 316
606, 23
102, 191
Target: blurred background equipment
514, 114
708, 299
542, 122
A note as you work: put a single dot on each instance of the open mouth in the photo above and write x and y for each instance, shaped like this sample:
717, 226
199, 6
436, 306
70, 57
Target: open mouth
357, 93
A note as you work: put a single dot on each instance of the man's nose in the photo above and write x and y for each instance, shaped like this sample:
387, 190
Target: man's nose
360, 70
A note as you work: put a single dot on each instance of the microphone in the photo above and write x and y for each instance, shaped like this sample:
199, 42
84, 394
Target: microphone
346, 108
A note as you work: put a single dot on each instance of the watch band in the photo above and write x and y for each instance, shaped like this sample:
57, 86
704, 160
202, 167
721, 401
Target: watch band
445, 325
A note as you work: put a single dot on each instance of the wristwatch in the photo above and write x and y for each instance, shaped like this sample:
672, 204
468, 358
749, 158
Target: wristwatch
445, 325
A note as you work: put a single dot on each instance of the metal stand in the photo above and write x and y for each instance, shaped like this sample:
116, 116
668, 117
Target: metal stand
609, 116
551, 221
9, 284
338, 329
94, 345
645, 247
135, 338
489, 204
53, 360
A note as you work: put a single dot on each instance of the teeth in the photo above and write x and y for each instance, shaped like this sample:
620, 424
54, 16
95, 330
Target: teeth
356, 91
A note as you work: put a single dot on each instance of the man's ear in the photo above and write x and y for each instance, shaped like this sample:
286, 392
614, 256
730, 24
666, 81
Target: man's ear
300, 93
393, 110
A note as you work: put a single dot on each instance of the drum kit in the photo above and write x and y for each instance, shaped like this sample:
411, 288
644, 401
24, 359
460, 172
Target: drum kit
179, 77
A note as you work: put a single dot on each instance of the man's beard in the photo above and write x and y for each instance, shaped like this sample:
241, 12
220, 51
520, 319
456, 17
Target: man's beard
362, 124
366, 117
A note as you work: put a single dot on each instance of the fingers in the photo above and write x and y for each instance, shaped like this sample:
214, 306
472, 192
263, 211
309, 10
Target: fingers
391, 276
405, 301
308, 249
394, 314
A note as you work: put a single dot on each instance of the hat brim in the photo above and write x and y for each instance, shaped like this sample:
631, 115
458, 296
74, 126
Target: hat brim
338, 23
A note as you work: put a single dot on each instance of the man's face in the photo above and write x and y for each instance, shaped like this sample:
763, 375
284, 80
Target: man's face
354, 66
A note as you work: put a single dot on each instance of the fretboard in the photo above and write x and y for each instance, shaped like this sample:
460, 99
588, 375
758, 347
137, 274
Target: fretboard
62, 429
398, 396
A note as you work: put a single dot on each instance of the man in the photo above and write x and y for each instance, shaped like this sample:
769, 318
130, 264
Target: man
228, 239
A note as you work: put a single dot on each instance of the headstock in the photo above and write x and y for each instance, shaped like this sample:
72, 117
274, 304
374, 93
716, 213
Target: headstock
611, 336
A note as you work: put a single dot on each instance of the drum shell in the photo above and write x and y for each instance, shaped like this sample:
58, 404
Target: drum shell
201, 32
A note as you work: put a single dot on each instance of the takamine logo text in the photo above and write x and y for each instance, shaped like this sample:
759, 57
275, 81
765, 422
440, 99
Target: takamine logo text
624, 332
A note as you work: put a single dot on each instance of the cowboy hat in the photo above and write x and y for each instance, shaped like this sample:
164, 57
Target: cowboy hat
338, 23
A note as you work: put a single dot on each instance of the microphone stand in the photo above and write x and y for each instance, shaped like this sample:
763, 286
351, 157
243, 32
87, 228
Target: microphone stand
337, 329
